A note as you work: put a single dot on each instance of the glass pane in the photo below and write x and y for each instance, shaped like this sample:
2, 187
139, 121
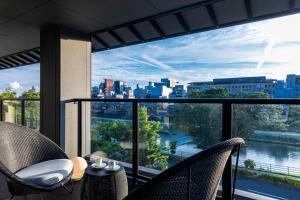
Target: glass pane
32, 114
12, 111
171, 132
111, 130
270, 161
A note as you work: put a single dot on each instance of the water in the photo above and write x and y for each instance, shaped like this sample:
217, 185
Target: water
261, 152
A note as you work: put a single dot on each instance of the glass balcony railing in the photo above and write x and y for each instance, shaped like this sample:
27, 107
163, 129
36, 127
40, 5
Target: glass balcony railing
155, 134
151, 135
21, 111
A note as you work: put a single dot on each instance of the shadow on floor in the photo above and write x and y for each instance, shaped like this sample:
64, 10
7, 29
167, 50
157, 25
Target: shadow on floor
59, 194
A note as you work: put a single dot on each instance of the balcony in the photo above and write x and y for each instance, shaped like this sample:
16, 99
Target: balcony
62, 35
116, 131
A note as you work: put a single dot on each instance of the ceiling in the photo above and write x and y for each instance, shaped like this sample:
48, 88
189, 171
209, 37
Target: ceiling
117, 23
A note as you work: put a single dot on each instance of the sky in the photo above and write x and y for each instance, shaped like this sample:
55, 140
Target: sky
269, 48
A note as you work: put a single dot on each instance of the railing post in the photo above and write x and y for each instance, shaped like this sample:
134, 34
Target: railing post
23, 122
135, 143
227, 134
79, 127
1, 110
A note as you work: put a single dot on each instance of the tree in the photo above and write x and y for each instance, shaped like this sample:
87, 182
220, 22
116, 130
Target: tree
294, 118
32, 108
249, 164
149, 134
8, 94
31, 94
107, 137
114, 138
211, 93
203, 121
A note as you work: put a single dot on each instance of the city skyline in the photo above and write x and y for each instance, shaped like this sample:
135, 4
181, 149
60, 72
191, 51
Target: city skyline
267, 48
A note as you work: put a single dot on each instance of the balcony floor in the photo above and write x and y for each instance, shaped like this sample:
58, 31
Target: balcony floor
59, 194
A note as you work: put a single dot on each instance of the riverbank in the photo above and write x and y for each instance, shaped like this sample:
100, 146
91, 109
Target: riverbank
281, 179
289, 138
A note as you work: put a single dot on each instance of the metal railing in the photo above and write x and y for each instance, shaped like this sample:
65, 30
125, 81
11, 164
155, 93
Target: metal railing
226, 125
273, 168
259, 166
20, 111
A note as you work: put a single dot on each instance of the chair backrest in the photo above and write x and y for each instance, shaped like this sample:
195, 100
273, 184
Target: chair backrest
21, 147
196, 177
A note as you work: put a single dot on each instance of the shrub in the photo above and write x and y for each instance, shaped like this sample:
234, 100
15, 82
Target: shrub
249, 164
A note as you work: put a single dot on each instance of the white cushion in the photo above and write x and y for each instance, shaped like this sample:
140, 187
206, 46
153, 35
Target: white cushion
46, 173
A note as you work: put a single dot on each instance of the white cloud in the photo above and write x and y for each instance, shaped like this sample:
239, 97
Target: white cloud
15, 85
268, 48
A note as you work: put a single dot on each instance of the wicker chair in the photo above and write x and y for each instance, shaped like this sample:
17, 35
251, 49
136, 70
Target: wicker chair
196, 177
20, 148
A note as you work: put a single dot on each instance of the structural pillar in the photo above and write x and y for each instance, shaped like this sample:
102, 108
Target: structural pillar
65, 74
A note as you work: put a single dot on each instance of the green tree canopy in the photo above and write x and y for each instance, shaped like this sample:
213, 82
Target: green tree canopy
211, 93
8, 94
114, 138
31, 94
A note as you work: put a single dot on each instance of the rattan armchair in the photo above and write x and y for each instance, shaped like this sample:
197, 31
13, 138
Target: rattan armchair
21, 147
194, 178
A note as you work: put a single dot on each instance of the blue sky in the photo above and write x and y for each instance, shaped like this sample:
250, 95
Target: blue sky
270, 48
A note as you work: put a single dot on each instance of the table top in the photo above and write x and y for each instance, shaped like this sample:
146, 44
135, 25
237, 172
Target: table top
102, 172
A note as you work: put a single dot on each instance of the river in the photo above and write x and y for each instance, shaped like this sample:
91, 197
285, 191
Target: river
261, 152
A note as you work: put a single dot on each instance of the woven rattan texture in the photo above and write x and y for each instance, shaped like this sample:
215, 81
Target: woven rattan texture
21, 147
194, 178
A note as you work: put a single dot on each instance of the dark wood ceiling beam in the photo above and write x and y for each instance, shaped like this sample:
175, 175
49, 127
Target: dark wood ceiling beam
248, 8
17, 58
117, 37
157, 28
102, 42
28, 60
9, 64
212, 15
4, 65
136, 33
182, 22
15, 61
32, 55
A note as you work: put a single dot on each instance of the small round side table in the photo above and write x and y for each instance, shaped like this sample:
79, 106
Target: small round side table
100, 184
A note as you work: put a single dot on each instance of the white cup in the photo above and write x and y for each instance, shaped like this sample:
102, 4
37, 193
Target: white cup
112, 164
98, 161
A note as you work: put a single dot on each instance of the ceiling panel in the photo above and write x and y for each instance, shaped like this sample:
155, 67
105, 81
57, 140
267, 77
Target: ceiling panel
117, 23
170, 25
109, 39
125, 33
297, 3
110, 12
197, 18
260, 7
147, 30
52, 13
21, 31
237, 6
13, 8
168, 5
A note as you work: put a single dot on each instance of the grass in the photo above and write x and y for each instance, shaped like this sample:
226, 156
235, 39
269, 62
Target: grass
291, 181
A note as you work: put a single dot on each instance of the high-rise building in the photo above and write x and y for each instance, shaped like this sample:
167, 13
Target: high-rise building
170, 83
178, 92
292, 86
119, 87
108, 87
139, 92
